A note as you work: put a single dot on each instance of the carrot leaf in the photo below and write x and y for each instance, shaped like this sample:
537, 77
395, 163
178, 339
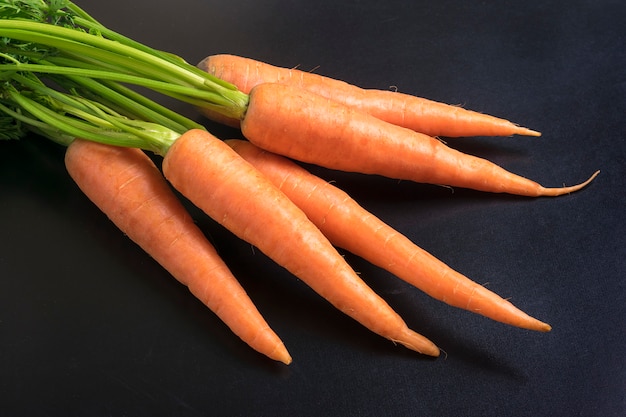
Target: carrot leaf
62, 115
76, 44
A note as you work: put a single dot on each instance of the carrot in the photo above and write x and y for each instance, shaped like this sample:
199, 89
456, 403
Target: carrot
232, 192
279, 118
216, 179
422, 115
310, 128
350, 226
126, 185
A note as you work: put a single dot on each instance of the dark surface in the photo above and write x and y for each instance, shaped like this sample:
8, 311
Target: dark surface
91, 326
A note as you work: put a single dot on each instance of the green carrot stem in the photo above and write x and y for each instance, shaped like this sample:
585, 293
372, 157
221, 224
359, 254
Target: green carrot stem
104, 129
177, 79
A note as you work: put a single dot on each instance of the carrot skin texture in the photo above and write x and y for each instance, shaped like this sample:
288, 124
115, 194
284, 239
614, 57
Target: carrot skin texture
126, 185
310, 128
350, 226
232, 192
422, 115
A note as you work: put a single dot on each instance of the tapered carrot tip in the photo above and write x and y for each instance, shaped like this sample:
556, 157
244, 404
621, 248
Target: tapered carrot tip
544, 327
519, 130
282, 356
272, 347
517, 317
553, 192
417, 342
531, 323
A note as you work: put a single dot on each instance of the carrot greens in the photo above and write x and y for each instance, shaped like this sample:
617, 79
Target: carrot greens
62, 115
62, 78
58, 37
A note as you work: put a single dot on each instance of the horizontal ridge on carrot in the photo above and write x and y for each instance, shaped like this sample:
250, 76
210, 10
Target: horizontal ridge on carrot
126, 185
310, 128
233, 193
422, 115
350, 226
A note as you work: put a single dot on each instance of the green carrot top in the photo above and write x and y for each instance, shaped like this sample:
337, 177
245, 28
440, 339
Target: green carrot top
57, 38
65, 75
27, 104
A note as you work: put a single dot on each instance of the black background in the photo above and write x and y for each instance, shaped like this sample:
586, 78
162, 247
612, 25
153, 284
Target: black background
92, 326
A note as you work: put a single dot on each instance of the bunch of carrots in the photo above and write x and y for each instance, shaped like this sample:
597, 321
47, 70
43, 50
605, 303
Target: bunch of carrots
68, 78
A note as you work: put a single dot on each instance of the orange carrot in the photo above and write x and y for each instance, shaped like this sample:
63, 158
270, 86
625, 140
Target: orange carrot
232, 192
126, 185
310, 128
422, 115
350, 226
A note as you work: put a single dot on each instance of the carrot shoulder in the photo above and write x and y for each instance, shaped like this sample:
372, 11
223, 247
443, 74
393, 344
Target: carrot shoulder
422, 115
126, 185
310, 128
232, 192
350, 226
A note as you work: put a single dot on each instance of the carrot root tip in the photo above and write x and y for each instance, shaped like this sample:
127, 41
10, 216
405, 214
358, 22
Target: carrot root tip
554, 192
286, 359
524, 131
418, 343
530, 132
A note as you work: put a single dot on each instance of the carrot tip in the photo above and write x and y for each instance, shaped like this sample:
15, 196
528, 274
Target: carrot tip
516, 129
418, 343
538, 326
531, 323
553, 192
527, 132
286, 358
279, 354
